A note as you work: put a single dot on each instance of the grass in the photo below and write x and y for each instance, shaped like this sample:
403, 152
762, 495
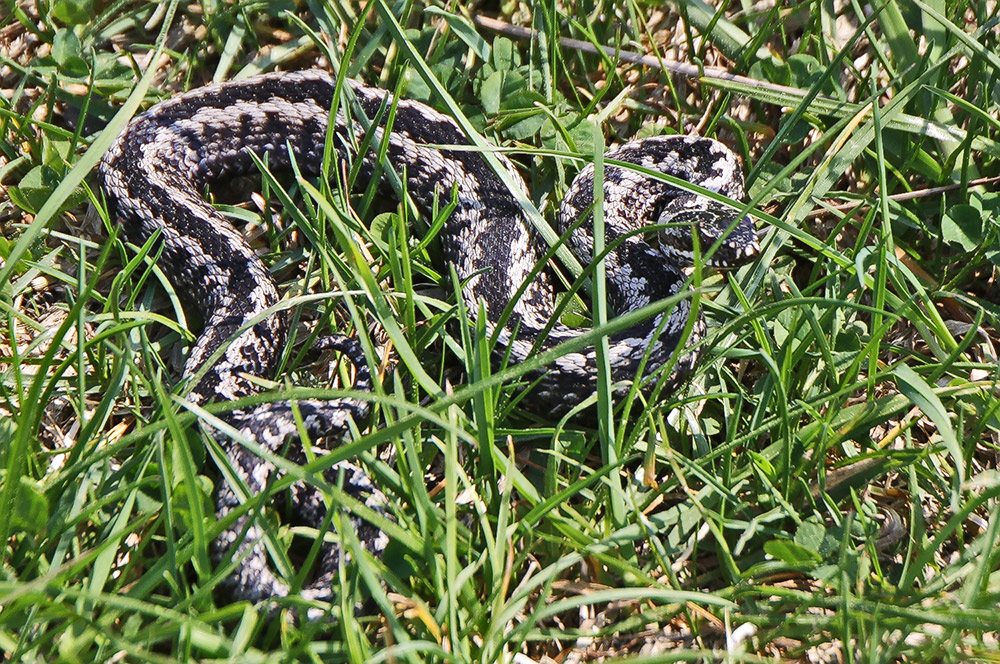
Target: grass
824, 487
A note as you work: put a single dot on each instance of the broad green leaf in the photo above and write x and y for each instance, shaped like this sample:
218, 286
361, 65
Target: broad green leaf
792, 553
962, 225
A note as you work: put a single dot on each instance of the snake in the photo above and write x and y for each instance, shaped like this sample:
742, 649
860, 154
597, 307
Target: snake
154, 176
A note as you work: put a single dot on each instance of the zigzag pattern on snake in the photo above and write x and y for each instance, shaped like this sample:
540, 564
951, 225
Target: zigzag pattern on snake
156, 170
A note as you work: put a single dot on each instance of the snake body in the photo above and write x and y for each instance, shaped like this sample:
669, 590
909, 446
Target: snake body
154, 175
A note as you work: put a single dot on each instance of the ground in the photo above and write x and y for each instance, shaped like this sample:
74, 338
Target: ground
823, 488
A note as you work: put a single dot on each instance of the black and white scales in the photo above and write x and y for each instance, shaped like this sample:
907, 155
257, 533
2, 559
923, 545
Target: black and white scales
154, 174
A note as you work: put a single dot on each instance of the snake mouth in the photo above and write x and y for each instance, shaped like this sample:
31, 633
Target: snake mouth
714, 224
734, 257
735, 254
738, 247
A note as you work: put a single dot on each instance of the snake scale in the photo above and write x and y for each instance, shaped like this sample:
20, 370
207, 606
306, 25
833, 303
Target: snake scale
154, 175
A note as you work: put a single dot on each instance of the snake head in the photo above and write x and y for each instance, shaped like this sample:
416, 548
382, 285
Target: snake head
690, 215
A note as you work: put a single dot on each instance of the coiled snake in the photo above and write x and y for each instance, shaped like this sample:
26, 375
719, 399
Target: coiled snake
154, 174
